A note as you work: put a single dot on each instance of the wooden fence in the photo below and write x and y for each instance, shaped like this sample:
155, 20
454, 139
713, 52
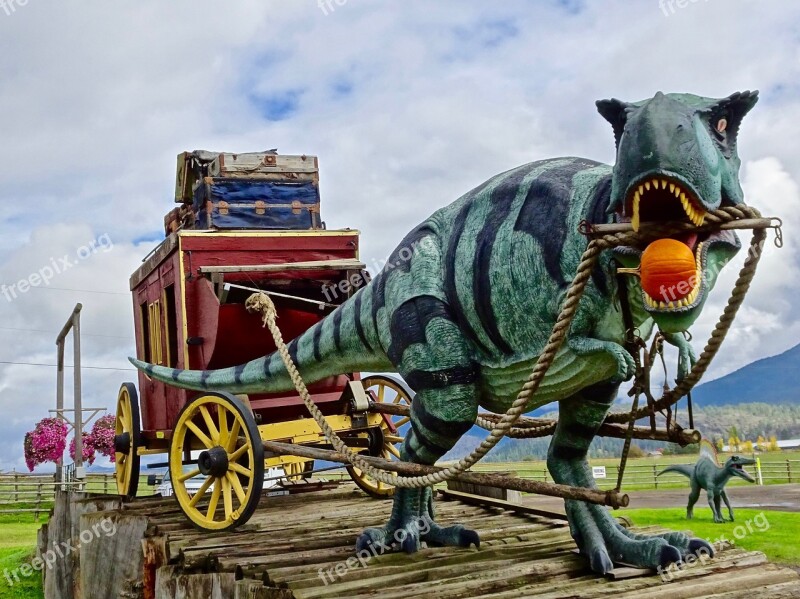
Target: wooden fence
35, 493
645, 475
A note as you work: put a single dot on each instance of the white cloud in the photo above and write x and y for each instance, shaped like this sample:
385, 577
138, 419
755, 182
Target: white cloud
408, 104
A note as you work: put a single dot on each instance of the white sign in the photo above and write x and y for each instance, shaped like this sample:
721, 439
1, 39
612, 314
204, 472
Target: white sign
599, 471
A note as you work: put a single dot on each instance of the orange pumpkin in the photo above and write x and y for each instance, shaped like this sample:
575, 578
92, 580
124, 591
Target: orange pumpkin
668, 270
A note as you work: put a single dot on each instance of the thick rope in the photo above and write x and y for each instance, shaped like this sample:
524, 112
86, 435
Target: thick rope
261, 303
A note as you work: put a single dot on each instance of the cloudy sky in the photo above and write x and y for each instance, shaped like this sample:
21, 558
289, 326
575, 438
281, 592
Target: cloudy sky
407, 103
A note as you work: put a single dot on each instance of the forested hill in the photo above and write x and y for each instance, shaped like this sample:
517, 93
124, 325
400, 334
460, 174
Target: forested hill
774, 380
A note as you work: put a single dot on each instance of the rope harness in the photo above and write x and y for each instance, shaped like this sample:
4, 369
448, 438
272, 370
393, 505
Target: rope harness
261, 303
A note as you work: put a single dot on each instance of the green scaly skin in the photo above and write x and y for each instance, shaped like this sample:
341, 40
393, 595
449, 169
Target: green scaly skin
709, 475
468, 299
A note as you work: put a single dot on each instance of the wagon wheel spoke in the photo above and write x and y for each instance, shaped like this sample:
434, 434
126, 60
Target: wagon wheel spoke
126, 417
223, 427
233, 435
401, 422
227, 497
201, 491
381, 393
199, 434
212, 504
234, 457
237, 486
210, 424
187, 475
393, 439
393, 450
238, 468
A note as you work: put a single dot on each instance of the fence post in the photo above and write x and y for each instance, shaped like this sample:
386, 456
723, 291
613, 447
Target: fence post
655, 476
789, 470
16, 488
38, 503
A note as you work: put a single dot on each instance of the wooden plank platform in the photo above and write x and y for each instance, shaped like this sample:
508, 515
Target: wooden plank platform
301, 547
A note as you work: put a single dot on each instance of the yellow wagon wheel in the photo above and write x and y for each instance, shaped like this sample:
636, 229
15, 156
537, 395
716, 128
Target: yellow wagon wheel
127, 439
226, 467
384, 389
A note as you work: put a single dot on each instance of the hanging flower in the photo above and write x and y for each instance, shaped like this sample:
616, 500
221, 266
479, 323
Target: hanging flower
46, 442
30, 460
102, 436
87, 449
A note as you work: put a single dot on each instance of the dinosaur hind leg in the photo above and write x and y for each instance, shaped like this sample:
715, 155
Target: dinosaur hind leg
694, 495
724, 496
714, 502
598, 535
445, 407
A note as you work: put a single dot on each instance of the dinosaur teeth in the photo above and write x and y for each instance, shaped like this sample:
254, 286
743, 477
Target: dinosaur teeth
695, 212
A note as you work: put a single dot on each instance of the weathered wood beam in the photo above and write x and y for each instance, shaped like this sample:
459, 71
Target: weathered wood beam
610, 498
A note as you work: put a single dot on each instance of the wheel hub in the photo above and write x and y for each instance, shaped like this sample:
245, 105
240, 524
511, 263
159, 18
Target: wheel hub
122, 443
213, 462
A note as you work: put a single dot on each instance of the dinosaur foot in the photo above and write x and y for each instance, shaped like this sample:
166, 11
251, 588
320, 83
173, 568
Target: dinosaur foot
603, 541
411, 527
414, 534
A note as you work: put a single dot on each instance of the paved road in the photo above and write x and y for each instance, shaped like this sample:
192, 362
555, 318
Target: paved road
784, 498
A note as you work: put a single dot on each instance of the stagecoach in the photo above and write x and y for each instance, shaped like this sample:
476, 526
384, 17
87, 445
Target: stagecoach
189, 313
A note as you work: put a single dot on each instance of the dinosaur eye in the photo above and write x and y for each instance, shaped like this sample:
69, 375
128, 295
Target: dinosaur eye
722, 125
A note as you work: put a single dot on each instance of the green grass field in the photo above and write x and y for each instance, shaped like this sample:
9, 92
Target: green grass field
773, 533
640, 472
17, 547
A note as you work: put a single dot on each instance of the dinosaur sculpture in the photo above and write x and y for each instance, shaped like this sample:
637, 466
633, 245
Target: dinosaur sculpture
470, 296
708, 474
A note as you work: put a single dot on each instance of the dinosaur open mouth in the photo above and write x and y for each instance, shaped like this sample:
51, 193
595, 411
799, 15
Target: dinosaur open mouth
662, 198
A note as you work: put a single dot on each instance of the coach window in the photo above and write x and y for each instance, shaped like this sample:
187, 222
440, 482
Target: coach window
144, 331
171, 326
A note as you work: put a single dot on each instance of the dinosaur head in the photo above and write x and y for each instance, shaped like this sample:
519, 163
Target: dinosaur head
676, 160
734, 465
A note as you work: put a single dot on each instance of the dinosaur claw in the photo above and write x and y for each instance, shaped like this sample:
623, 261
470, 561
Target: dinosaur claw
669, 555
410, 544
700, 546
600, 562
368, 538
469, 537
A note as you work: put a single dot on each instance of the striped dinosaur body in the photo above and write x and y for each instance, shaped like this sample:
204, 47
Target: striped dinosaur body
470, 296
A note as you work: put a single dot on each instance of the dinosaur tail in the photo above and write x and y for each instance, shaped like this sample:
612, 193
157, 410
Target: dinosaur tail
346, 340
687, 471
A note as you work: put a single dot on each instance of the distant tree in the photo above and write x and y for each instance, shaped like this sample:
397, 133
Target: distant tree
747, 447
773, 444
761, 443
636, 452
733, 443
720, 444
